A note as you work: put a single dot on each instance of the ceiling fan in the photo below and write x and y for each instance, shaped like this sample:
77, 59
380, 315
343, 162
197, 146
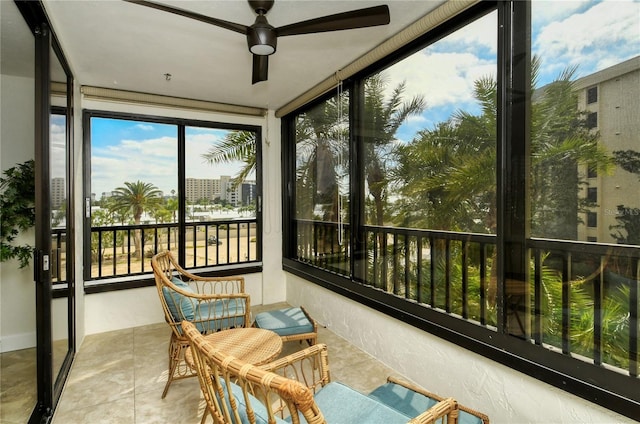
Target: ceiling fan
262, 37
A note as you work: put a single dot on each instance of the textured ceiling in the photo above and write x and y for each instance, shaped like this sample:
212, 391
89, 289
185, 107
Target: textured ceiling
115, 44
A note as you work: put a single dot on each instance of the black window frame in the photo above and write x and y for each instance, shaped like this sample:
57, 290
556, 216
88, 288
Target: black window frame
592, 95
617, 392
145, 280
592, 219
592, 120
592, 194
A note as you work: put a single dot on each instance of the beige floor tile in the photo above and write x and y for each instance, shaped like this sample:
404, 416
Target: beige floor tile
17, 385
120, 411
118, 377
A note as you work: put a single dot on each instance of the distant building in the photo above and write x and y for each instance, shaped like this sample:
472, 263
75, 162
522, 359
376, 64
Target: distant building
222, 188
611, 98
58, 192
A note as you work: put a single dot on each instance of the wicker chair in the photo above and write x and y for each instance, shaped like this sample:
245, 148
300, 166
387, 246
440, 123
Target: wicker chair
289, 388
210, 303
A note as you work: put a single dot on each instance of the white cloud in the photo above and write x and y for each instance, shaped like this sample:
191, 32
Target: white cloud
444, 73
145, 127
605, 34
154, 160
545, 11
442, 78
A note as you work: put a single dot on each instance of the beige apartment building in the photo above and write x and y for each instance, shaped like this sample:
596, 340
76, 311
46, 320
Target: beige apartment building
222, 188
611, 98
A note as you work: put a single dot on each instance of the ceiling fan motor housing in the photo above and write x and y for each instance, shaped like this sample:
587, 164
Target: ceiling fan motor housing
261, 6
262, 37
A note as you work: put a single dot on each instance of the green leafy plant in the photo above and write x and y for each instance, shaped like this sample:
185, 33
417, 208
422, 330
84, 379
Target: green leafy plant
17, 211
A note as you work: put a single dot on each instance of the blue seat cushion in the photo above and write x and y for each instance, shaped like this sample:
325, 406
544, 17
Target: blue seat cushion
341, 404
180, 306
412, 403
285, 322
207, 316
220, 315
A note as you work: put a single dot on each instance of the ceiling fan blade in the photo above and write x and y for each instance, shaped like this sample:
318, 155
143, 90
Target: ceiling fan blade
360, 18
242, 29
260, 68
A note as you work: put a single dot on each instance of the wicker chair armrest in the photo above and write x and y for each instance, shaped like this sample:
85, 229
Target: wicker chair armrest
445, 408
315, 350
308, 366
418, 389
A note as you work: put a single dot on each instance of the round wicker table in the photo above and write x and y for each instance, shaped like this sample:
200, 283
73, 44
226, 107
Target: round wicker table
255, 346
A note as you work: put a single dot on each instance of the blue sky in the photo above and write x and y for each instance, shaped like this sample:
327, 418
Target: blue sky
124, 151
592, 35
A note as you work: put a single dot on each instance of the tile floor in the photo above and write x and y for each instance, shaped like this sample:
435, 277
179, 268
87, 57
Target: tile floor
17, 385
118, 377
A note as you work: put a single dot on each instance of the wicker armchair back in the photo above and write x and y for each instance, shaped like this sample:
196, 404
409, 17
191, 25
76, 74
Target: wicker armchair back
210, 303
288, 388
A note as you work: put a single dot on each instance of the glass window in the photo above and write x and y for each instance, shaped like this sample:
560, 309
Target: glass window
592, 219
208, 218
439, 171
592, 95
429, 142
127, 193
430, 135
592, 194
583, 52
221, 196
322, 184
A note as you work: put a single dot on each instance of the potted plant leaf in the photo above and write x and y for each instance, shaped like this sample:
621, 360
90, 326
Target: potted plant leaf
17, 211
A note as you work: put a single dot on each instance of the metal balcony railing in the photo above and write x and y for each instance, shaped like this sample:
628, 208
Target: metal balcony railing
125, 250
581, 298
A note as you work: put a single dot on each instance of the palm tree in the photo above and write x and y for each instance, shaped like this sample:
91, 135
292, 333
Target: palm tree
457, 161
382, 118
136, 198
236, 146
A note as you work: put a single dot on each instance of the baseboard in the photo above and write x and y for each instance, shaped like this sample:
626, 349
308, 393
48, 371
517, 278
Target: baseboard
17, 342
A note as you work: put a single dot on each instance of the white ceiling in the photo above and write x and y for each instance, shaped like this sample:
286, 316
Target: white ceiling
115, 44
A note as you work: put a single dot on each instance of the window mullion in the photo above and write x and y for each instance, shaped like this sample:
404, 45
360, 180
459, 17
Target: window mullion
514, 85
182, 199
356, 182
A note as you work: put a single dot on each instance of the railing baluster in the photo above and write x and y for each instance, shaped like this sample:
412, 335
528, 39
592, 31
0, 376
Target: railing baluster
238, 241
394, 264
142, 256
114, 254
407, 267
598, 302
566, 302
432, 272
483, 284
100, 254
465, 280
419, 269
537, 301
447, 276
633, 317
195, 245
129, 251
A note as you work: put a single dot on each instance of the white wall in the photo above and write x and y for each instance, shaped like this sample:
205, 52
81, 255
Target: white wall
17, 289
505, 395
130, 308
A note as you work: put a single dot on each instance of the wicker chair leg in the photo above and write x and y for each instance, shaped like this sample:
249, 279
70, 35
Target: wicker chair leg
204, 415
174, 359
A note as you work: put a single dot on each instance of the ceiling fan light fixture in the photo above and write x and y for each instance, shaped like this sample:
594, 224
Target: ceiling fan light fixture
261, 37
262, 49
